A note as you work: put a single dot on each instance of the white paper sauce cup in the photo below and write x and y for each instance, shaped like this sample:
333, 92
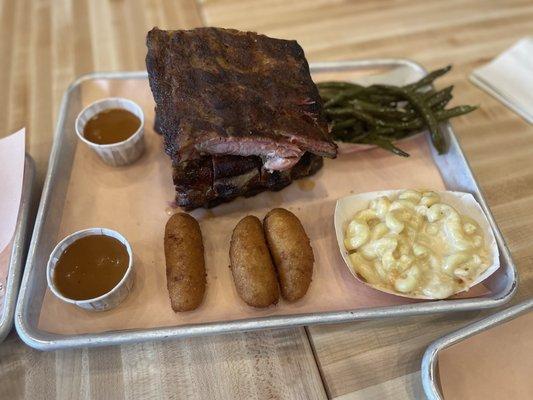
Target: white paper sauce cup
106, 301
120, 153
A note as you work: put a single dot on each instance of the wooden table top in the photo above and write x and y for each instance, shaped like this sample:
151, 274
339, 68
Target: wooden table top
45, 44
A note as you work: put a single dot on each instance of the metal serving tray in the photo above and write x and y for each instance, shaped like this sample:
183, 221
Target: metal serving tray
455, 172
429, 361
18, 252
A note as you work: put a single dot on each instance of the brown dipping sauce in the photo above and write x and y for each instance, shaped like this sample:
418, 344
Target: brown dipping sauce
111, 126
90, 267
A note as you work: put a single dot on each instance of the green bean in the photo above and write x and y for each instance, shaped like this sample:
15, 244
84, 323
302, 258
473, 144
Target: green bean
444, 115
359, 92
344, 111
440, 105
348, 123
412, 125
398, 134
326, 95
338, 85
369, 119
439, 96
426, 113
341, 97
378, 109
376, 97
352, 136
385, 144
374, 110
385, 131
428, 79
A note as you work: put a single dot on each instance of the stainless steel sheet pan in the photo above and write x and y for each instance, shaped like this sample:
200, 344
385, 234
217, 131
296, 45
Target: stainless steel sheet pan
20, 247
429, 361
453, 167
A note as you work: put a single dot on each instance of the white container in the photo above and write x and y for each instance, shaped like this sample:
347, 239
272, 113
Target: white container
464, 203
120, 153
106, 301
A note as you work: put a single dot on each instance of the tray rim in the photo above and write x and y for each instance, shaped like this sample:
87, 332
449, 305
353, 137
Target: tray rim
429, 360
20, 245
50, 341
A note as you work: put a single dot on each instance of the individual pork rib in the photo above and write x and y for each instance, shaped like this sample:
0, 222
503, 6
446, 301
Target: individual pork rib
226, 92
212, 180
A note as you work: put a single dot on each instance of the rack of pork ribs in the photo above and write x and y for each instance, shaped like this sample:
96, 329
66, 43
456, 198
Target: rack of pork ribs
238, 111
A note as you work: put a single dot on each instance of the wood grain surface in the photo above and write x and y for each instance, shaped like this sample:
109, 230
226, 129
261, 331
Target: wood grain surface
45, 44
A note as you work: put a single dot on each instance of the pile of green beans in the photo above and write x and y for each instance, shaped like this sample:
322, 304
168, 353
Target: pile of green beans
383, 114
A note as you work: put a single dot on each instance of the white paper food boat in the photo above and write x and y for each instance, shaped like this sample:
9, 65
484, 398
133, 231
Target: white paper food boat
464, 203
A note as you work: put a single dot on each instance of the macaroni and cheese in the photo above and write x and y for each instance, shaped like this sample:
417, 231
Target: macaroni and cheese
415, 244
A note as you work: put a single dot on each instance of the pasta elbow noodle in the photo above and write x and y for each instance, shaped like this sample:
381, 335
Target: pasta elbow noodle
393, 223
358, 234
419, 250
453, 261
408, 282
380, 206
429, 198
411, 195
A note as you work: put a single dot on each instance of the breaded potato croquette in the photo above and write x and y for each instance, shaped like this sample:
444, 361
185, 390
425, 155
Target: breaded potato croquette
251, 265
185, 264
291, 251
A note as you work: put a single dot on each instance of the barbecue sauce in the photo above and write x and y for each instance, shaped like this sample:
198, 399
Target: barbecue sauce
111, 126
90, 267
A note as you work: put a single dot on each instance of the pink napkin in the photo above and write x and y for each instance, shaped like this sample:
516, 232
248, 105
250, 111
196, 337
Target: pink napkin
11, 176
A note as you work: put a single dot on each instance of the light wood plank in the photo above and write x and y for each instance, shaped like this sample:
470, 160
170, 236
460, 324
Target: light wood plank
270, 364
404, 387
